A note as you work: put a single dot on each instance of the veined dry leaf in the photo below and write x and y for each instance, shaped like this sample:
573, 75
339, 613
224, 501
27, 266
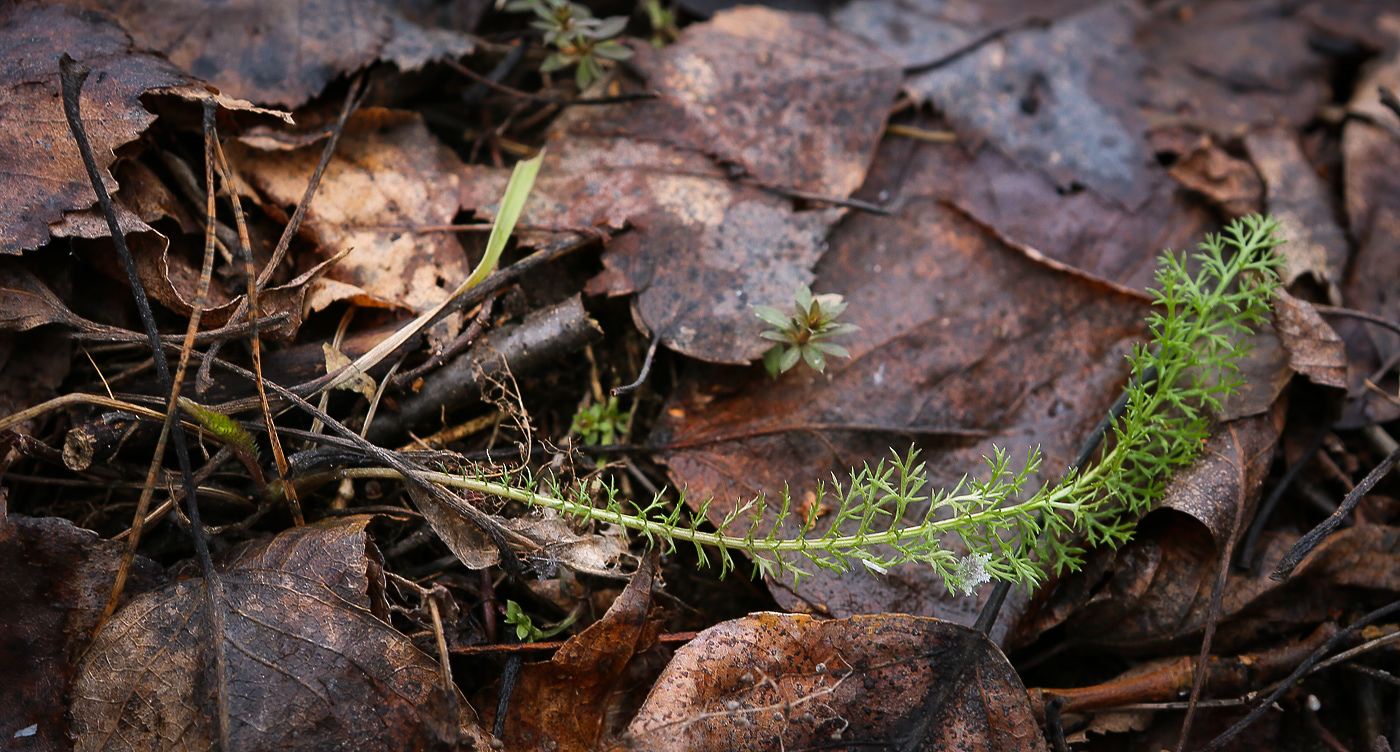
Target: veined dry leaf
41, 173
308, 662
56, 579
389, 175
359, 381
283, 52
782, 100
1297, 197
1314, 348
788, 681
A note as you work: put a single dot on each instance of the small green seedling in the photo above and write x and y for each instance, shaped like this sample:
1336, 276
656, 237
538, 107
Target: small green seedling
600, 423
803, 335
578, 38
525, 629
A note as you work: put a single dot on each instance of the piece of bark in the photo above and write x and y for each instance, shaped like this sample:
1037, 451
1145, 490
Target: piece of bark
517, 348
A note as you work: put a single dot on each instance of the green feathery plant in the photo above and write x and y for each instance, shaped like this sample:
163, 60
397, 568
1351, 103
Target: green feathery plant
1182, 374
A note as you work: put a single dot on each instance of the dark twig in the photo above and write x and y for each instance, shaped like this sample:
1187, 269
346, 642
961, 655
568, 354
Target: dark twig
1266, 510
1360, 315
1308, 542
454, 347
970, 47
1298, 673
352, 100
646, 368
849, 203
72, 74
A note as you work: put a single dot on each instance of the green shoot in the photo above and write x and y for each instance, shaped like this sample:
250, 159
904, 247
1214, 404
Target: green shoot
222, 427
229, 432
522, 179
886, 515
802, 335
525, 629
600, 424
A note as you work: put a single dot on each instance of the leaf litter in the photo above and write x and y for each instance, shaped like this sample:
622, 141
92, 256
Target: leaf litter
992, 247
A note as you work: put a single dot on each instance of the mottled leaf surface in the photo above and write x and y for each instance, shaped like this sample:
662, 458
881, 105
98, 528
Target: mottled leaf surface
788, 681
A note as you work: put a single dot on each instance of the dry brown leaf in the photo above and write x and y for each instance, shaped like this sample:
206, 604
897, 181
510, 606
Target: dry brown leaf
1371, 174
788, 681
1229, 183
279, 51
40, 170
389, 175
1314, 348
308, 662
1297, 198
56, 579
562, 704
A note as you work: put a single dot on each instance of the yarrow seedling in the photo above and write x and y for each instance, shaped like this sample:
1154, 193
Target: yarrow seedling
886, 515
803, 334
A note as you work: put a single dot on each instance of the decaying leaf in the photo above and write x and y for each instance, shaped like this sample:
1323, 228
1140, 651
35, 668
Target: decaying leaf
359, 380
1227, 181
389, 176
788, 681
545, 540
562, 704
41, 174
306, 661
1297, 198
56, 579
277, 52
1371, 170
1314, 348
780, 100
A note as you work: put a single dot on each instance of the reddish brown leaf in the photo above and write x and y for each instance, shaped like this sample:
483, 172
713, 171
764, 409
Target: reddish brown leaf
41, 174
1227, 182
277, 52
308, 662
788, 681
56, 579
562, 704
389, 176
1314, 349
1297, 198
